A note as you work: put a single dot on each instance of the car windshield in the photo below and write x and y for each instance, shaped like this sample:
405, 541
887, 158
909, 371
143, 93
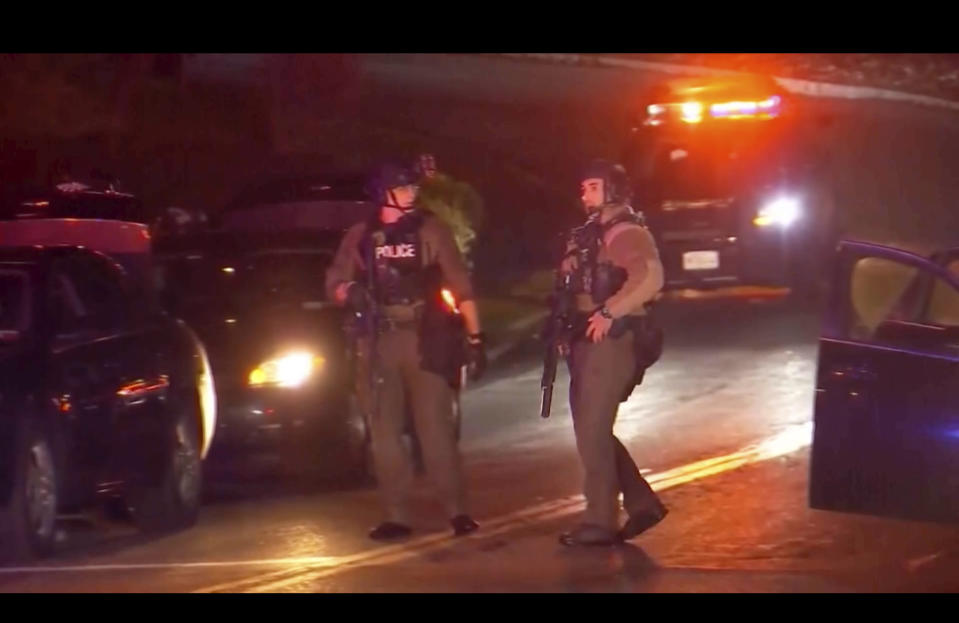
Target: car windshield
291, 205
716, 166
197, 285
294, 215
14, 303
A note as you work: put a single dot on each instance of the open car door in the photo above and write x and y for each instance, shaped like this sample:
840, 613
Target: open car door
886, 422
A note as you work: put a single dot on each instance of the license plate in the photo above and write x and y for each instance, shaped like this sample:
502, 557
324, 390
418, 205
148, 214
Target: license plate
701, 260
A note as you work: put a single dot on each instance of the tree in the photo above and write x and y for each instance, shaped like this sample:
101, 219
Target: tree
457, 203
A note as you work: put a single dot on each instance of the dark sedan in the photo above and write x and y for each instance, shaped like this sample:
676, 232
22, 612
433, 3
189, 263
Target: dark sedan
277, 346
104, 398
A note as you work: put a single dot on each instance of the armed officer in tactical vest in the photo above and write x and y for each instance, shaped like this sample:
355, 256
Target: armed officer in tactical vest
616, 273
392, 269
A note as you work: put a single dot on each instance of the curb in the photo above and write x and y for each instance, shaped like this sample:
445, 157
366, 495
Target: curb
801, 87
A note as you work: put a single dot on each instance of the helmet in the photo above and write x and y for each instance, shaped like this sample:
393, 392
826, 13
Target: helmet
615, 181
385, 178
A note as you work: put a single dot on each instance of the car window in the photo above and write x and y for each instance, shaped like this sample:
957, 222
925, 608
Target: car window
886, 290
296, 275
295, 215
87, 295
690, 170
943, 308
68, 313
280, 276
14, 300
688, 175
881, 289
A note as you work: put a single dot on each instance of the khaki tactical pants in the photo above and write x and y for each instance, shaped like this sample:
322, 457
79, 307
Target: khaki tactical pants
431, 400
599, 376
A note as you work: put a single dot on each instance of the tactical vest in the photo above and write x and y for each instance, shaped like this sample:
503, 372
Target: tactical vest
401, 276
600, 280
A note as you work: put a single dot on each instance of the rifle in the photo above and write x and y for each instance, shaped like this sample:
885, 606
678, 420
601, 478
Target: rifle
583, 243
371, 318
557, 338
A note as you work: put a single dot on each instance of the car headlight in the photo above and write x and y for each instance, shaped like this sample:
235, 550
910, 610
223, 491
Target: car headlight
291, 370
692, 112
782, 211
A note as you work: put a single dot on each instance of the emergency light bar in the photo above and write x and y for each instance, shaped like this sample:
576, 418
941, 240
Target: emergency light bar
736, 110
694, 112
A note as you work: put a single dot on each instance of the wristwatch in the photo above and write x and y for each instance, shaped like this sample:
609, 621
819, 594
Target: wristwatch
605, 313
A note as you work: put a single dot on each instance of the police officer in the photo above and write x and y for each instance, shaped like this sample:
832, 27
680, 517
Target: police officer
412, 255
616, 273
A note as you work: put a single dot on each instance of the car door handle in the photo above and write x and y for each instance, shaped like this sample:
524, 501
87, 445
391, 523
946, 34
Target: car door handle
853, 373
137, 392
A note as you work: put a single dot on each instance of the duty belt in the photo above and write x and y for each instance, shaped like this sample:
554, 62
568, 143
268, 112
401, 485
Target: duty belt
394, 317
